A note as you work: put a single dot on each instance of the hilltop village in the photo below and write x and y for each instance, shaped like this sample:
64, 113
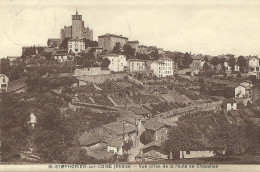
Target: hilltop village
82, 101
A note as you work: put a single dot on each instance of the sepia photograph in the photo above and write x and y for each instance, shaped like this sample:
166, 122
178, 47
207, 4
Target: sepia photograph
165, 84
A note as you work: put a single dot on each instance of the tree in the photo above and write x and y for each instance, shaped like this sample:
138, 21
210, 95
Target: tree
241, 62
117, 48
5, 67
187, 60
181, 138
64, 43
14, 131
48, 56
89, 43
128, 51
105, 63
154, 54
239, 75
232, 63
214, 61
202, 84
228, 137
127, 145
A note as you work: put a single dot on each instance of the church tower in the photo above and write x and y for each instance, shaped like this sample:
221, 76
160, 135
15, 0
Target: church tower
77, 26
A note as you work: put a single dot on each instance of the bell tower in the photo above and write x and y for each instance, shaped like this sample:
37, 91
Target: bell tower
77, 26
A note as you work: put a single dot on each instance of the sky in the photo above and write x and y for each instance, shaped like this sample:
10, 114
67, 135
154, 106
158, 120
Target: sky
211, 27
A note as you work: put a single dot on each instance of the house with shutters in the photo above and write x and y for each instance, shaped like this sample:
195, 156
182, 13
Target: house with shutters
3, 82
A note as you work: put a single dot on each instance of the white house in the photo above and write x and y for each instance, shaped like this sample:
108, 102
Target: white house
118, 63
196, 154
76, 45
136, 65
253, 64
240, 91
229, 104
62, 57
3, 82
162, 67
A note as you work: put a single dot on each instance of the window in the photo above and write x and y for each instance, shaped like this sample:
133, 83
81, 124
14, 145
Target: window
3, 79
121, 64
188, 152
3, 85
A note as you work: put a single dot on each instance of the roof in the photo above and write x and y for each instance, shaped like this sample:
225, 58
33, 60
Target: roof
16, 85
114, 142
112, 35
89, 139
120, 127
73, 39
233, 113
234, 85
62, 54
164, 58
54, 39
99, 153
133, 41
139, 111
136, 60
153, 143
153, 124
3, 75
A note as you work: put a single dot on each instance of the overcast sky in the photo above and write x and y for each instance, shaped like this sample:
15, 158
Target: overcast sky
206, 27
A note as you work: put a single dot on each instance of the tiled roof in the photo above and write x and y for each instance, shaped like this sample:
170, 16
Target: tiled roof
99, 154
233, 113
112, 35
120, 127
153, 143
139, 111
153, 124
89, 139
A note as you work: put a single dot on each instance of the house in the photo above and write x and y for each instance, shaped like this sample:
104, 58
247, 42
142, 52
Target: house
155, 130
133, 44
248, 86
108, 41
118, 63
4, 80
96, 51
198, 62
235, 90
120, 129
76, 45
63, 56
141, 112
136, 65
162, 67
151, 152
229, 104
253, 64
98, 139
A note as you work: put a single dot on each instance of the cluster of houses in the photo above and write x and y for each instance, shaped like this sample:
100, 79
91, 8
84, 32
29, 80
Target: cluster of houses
252, 63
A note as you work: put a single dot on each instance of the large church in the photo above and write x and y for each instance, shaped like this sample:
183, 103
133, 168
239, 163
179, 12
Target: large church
77, 30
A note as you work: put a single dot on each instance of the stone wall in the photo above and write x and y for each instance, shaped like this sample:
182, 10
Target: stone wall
91, 71
97, 79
